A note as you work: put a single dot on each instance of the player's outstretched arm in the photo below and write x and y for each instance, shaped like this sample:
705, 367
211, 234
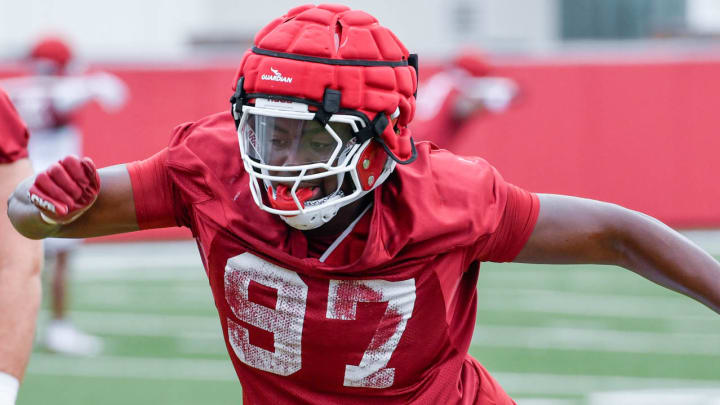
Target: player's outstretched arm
20, 263
72, 199
576, 230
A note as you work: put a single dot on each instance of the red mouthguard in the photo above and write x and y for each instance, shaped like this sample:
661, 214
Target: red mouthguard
283, 197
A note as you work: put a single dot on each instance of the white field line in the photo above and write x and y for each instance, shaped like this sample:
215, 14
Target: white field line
202, 345
128, 271
554, 384
134, 324
587, 279
709, 240
657, 397
676, 325
163, 297
596, 340
105, 266
132, 367
143, 274
176, 249
143, 260
545, 401
198, 334
562, 302
221, 370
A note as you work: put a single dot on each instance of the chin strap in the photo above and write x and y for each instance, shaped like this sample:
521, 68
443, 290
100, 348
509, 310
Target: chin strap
375, 130
330, 105
413, 154
237, 100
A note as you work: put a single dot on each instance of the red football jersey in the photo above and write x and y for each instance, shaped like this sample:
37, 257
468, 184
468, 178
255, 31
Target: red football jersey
13, 133
389, 324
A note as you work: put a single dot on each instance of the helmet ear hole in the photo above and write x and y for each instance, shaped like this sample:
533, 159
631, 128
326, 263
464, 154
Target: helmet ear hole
371, 165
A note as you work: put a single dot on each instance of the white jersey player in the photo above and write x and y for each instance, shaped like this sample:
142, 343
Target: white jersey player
48, 101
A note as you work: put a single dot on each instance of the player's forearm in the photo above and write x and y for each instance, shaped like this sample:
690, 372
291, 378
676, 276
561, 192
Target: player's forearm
112, 210
20, 291
658, 253
25, 217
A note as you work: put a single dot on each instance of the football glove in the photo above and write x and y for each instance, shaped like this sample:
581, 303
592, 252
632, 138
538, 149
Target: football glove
65, 190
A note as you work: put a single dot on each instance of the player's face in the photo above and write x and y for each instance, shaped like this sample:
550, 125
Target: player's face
286, 142
45, 67
298, 142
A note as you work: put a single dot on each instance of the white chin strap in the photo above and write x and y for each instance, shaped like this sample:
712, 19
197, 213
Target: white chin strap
315, 219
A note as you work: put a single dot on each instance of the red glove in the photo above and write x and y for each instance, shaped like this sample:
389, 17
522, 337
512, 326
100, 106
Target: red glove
65, 190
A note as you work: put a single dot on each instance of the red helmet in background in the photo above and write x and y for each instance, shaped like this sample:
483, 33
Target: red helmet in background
342, 70
53, 50
472, 61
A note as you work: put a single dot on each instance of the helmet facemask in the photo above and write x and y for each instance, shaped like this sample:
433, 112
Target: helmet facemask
299, 168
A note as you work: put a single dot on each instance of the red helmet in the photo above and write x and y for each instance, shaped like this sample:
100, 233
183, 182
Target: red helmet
333, 62
52, 49
472, 61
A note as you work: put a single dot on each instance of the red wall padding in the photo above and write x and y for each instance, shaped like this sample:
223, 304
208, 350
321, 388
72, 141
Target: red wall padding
641, 135
160, 99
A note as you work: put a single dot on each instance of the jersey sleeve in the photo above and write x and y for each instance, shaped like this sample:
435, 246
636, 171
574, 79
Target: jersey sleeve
154, 194
518, 217
13, 132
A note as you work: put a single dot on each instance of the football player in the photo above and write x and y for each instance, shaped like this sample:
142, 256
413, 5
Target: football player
342, 257
450, 97
20, 261
48, 102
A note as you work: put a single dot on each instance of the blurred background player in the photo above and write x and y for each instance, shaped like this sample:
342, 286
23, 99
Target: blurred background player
457, 91
20, 260
49, 100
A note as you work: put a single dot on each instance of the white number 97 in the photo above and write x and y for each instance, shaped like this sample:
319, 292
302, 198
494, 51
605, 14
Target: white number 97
286, 320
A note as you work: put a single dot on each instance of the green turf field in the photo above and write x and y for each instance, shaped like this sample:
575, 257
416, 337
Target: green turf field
550, 335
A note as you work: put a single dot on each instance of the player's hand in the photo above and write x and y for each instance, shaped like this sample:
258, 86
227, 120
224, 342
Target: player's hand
65, 190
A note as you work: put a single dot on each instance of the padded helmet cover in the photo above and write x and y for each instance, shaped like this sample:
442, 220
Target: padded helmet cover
349, 51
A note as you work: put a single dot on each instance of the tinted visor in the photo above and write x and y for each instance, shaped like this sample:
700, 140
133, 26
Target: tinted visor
279, 141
